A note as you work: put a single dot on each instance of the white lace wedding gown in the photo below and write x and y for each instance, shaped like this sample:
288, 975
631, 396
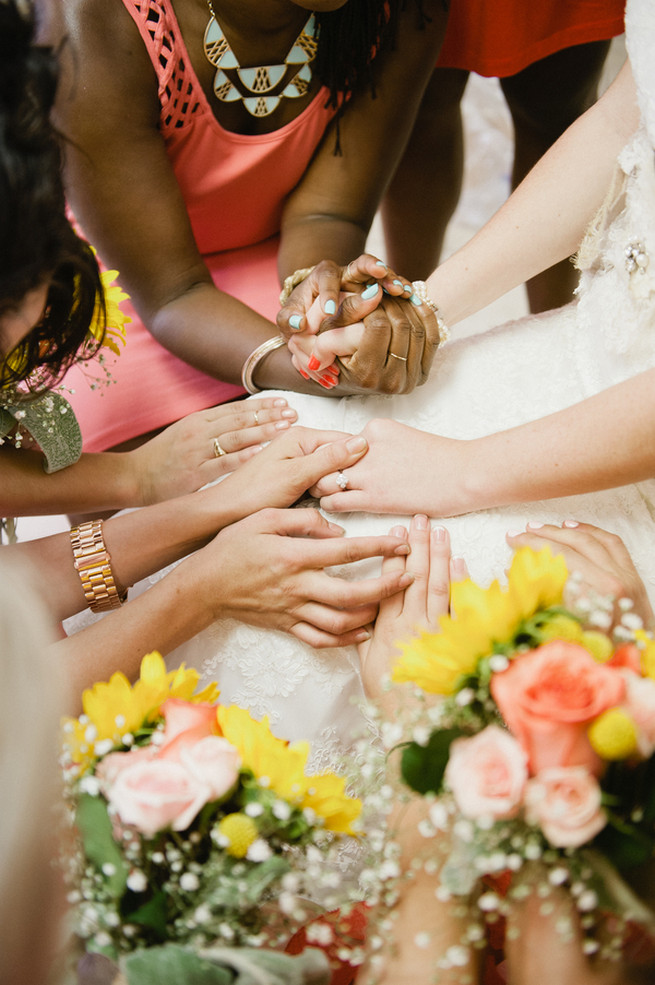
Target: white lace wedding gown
514, 373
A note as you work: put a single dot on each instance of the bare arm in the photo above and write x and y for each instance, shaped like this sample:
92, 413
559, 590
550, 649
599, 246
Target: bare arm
557, 455
117, 168
179, 460
545, 219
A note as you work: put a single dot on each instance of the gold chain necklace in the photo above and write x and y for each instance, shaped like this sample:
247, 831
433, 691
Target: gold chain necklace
261, 80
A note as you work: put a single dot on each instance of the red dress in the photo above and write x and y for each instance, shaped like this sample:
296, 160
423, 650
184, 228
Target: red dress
498, 38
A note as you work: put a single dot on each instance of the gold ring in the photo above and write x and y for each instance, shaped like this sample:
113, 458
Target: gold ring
256, 416
393, 355
349, 275
218, 451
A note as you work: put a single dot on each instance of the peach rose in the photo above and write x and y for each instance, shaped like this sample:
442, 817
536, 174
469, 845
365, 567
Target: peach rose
157, 794
487, 773
213, 761
548, 697
184, 724
565, 802
640, 705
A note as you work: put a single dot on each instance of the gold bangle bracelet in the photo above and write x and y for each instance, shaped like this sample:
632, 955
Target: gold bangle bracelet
93, 564
292, 281
255, 357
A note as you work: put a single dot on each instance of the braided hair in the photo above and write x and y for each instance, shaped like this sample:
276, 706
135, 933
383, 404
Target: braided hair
349, 41
37, 243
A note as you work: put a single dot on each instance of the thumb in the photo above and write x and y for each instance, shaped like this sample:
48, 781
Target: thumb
305, 522
339, 342
333, 457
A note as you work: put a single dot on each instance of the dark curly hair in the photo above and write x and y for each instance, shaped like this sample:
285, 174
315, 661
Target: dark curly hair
37, 243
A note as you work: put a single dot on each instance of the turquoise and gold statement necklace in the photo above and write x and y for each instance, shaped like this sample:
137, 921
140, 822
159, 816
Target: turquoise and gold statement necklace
258, 83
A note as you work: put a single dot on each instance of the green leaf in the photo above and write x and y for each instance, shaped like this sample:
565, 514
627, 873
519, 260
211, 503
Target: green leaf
172, 965
624, 844
423, 767
94, 825
151, 914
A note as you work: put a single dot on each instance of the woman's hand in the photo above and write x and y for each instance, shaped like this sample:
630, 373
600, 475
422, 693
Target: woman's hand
268, 570
419, 607
385, 339
404, 471
205, 445
599, 557
284, 471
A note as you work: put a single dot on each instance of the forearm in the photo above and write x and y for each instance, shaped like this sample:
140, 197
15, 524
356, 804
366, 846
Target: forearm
168, 614
545, 219
140, 543
96, 482
600, 443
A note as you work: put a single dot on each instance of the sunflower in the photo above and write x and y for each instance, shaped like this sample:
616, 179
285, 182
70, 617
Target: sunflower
115, 708
282, 766
480, 621
112, 329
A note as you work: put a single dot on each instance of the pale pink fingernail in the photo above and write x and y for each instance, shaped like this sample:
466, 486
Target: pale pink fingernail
421, 521
363, 636
282, 425
402, 549
514, 533
280, 402
535, 525
289, 413
570, 523
439, 533
399, 531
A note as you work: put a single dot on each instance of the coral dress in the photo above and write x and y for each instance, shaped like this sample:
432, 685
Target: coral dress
498, 38
234, 186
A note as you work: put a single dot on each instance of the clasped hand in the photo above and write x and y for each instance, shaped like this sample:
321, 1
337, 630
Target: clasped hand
359, 327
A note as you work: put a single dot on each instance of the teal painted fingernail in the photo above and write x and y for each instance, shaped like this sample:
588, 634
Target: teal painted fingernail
380, 263
370, 292
398, 283
415, 299
408, 287
294, 321
330, 307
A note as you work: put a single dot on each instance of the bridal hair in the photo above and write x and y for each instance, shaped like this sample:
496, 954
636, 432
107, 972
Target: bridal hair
31, 703
37, 243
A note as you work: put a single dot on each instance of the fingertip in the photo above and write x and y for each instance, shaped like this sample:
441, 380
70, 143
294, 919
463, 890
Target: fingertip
336, 528
330, 307
357, 445
295, 322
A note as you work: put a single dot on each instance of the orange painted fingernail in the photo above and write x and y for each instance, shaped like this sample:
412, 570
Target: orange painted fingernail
313, 363
304, 375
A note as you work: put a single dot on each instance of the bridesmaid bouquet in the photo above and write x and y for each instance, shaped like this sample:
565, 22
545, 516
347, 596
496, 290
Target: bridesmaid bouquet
537, 756
193, 826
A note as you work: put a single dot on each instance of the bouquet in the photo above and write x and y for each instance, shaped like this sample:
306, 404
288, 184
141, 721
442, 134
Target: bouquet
537, 756
193, 826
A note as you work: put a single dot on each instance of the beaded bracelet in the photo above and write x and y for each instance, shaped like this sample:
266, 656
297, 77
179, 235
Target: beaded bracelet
255, 357
292, 281
93, 564
421, 291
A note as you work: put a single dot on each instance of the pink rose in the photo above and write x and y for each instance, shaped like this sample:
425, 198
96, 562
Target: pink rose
184, 724
565, 802
548, 697
111, 765
627, 655
213, 761
487, 773
156, 794
640, 705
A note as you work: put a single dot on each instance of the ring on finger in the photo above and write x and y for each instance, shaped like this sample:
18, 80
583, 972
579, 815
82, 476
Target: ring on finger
342, 481
218, 451
349, 275
403, 359
256, 416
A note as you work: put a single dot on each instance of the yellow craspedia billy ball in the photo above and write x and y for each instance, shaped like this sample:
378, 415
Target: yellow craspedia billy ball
613, 735
599, 645
239, 831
